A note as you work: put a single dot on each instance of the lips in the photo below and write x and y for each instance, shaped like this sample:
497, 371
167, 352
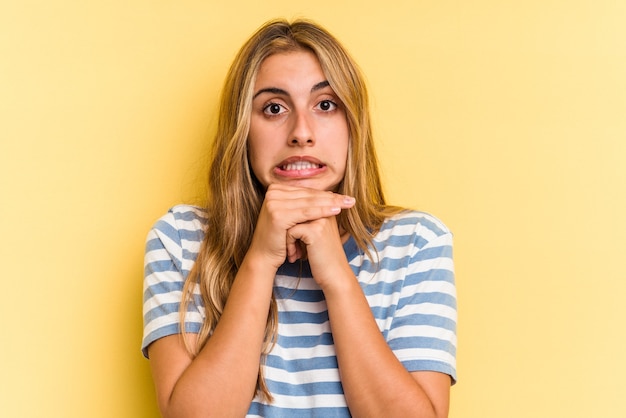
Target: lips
300, 163
300, 166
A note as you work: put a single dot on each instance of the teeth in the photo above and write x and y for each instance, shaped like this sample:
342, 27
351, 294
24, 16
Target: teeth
300, 165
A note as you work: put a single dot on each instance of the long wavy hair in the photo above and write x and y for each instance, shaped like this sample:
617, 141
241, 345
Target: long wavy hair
235, 196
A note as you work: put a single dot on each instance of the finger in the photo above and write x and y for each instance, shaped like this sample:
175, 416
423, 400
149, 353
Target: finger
296, 249
306, 196
329, 203
302, 215
292, 248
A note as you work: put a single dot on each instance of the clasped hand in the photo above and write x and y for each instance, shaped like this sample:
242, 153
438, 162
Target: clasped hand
296, 223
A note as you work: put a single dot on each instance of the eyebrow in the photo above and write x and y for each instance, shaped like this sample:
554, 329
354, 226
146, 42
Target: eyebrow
276, 90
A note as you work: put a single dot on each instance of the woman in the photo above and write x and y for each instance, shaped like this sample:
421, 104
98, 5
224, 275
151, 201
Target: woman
300, 292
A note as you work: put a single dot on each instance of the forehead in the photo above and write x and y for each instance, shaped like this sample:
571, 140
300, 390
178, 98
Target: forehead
285, 66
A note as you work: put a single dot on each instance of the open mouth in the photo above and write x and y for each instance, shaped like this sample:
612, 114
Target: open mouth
300, 165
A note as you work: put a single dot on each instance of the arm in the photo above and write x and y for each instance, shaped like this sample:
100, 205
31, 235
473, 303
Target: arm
221, 380
375, 382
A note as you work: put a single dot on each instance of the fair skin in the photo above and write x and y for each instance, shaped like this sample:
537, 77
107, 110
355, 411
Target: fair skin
292, 100
298, 145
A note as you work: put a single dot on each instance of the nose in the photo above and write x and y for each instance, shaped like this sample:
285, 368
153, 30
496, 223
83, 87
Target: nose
302, 133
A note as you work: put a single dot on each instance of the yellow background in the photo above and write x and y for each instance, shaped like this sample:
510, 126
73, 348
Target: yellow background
507, 119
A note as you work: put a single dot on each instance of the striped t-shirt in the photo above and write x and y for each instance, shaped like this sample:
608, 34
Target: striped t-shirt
410, 291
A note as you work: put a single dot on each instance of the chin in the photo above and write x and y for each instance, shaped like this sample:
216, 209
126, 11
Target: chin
309, 184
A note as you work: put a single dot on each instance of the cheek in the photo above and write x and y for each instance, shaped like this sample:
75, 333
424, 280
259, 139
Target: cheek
259, 141
253, 155
260, 161
345, 145
254, 158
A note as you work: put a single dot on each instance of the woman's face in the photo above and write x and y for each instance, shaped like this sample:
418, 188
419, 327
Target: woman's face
298, 128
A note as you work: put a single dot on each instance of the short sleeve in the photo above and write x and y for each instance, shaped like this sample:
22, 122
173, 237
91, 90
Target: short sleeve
423, 330
171, 248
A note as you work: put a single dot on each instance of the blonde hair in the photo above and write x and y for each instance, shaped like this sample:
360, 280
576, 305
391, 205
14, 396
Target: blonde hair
235, 196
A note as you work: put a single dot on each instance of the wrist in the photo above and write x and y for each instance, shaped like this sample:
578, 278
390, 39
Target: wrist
341, 283
258, 265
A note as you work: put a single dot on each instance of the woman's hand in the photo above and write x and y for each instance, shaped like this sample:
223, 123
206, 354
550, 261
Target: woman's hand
311, 211
323, 246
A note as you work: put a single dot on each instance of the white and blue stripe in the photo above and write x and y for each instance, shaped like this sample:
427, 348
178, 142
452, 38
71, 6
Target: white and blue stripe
410, 290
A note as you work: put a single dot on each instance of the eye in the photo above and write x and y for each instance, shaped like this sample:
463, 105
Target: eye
327, 105
273, 109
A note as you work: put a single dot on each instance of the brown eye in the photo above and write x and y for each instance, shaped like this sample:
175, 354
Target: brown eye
273, 109
326, 105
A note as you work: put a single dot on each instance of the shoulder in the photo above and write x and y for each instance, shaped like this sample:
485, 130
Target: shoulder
181, 222
423, 227
183, 217
177, 235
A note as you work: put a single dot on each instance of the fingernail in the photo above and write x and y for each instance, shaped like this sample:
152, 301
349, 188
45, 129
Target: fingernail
335, 210
349, 200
